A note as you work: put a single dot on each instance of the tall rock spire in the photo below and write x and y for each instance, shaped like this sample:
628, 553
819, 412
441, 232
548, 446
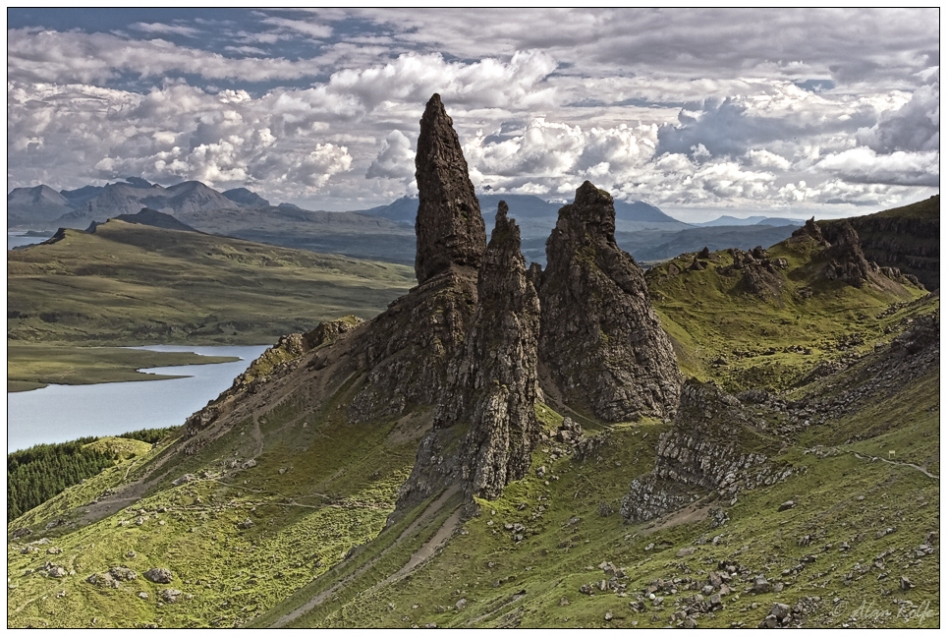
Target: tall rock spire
600, 338
449, 225
486, 426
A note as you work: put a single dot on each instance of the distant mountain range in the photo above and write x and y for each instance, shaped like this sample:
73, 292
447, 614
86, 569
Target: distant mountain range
536, 216
384, 232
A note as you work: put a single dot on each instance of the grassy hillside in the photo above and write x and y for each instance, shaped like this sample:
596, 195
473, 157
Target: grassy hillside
281, 519
723, 331
131, 284
34, 365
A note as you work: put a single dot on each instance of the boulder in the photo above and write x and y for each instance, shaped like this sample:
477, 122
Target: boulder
159, 575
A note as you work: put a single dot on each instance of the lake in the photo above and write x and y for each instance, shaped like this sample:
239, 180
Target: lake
57, 413
17, 238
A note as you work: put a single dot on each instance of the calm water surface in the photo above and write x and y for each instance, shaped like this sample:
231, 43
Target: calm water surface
58, 413
15, 239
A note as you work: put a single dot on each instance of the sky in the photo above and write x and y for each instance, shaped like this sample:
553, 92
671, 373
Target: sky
699, 112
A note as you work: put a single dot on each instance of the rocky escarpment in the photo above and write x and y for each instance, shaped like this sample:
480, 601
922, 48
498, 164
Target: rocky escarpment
449, 225
904, 238
486, 426
601, 341
843, 256
706, 450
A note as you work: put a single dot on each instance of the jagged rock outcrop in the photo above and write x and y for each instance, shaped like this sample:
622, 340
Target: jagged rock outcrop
486, 426
705, 451
905, 238
811, 229
759, 273
601, 340
846, 259
449, 224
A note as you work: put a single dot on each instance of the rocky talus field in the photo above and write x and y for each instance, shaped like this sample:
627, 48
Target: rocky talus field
730, 439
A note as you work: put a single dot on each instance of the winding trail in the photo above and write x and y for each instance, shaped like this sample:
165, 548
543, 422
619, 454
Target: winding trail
895, 462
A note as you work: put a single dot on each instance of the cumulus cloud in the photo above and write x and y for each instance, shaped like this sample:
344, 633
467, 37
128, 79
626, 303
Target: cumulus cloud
864, 165
311, 29
723, 129
705, 107
488, 82
616, 150
542, 149
74, 57
396, 159
761, 158
913, 127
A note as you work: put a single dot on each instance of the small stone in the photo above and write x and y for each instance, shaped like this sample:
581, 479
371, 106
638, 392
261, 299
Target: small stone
769, 622
461, 603
761, 585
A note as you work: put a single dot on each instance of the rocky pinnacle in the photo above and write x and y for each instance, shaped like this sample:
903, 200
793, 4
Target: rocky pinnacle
600, 339
498, 373
486, 426
449, 225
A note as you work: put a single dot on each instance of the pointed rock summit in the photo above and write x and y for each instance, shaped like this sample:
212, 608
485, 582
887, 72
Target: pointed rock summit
601, 343
449, 225
486, 426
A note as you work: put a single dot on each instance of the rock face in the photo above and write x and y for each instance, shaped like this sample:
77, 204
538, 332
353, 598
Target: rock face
486, 426
759, 273
906, 239
600, 338
703, 452
847, 262
449, 225
845, 259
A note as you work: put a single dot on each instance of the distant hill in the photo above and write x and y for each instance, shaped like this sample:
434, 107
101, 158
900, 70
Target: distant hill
728, 220
134, 283
42, 207
781, 221
149, 217
35, 206
81, 195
